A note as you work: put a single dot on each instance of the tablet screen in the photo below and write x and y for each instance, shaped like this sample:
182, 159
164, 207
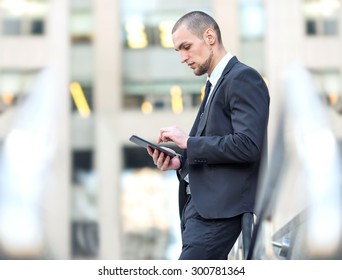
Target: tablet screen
144, 143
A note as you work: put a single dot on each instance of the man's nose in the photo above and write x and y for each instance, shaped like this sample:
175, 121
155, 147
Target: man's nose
183, 57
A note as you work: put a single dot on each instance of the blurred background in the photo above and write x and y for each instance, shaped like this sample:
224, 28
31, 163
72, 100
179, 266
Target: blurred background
79, 77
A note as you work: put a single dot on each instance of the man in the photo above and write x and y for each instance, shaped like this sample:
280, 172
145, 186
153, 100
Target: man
219, 169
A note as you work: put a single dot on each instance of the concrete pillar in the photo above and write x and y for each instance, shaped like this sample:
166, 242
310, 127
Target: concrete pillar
227, 16
107, 97
284, 24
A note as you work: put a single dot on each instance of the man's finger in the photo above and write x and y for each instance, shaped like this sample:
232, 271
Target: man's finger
165, 163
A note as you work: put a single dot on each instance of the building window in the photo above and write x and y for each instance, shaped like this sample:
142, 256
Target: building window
82, 163
85, 239
24, 17
23, 26
37, 27
321, 17
81, 99
81, 25
17, 81
140, 36
151, 69
328, 84
327, 81
252, 32
11, 26
84, 230
252, 19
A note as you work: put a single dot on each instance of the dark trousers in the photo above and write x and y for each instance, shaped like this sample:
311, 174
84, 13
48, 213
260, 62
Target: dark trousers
207, 239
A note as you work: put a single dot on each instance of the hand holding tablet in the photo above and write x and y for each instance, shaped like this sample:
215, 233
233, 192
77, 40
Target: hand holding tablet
144, 143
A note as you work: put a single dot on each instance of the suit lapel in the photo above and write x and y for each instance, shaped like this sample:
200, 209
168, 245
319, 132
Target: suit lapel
203, 119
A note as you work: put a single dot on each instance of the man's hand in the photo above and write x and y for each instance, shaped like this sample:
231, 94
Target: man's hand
173, 134
164, 162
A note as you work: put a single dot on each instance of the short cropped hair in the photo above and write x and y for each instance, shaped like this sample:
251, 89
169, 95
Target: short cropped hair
197, 22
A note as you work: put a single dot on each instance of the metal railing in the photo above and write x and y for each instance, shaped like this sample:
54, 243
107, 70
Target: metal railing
299, 204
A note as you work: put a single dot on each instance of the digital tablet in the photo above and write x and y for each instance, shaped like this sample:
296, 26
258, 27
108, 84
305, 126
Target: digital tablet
144, 143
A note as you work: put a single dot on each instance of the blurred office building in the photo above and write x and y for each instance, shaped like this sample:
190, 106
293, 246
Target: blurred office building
79, 77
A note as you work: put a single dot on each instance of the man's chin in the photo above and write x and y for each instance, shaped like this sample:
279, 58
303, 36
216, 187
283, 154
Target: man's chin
198, 73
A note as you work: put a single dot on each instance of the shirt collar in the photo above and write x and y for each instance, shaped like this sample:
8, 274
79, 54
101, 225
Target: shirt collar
218, 70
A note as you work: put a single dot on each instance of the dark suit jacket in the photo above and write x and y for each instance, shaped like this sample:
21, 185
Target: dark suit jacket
225, 149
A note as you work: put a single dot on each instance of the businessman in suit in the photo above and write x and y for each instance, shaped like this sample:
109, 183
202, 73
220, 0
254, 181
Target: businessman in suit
218, 171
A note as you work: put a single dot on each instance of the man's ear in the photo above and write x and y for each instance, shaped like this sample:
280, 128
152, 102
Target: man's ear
210, 36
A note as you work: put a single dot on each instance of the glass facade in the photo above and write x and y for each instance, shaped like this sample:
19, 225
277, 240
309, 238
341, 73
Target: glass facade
84, 218
23, 17
14, 86
322, 20
329, 86
322, 17
252, 29
151, 69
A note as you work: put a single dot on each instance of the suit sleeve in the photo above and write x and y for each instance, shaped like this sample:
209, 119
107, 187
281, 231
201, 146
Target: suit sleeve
247, 108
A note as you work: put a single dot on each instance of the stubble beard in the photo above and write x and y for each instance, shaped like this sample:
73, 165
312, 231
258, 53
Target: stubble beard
202, 69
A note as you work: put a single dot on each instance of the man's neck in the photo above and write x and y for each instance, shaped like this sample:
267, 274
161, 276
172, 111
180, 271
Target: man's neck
221, 52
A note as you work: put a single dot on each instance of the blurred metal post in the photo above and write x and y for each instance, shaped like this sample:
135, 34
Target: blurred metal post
299, 205
247, 228
57, 200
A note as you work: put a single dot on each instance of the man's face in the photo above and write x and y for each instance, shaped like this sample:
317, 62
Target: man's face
195, 52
